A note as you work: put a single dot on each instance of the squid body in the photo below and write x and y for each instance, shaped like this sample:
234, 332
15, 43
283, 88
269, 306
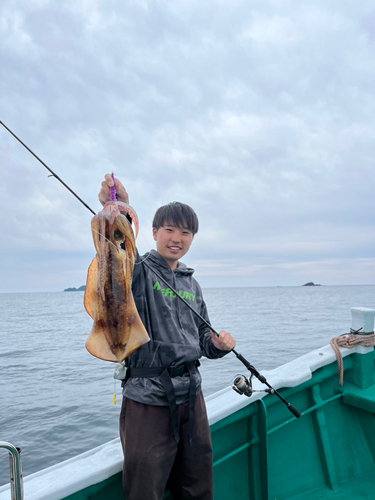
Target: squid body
117, 330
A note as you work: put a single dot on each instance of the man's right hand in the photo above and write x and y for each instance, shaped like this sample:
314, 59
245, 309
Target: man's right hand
105, 192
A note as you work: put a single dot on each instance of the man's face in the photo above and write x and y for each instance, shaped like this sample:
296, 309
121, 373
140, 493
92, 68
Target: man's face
172, 242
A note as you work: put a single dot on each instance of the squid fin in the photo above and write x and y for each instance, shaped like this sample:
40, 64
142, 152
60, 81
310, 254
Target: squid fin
132, 336
90, 290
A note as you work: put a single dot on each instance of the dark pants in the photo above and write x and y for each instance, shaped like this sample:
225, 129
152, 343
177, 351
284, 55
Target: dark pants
152, 457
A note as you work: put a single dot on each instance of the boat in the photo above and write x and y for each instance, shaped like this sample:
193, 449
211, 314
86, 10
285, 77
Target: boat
260, 450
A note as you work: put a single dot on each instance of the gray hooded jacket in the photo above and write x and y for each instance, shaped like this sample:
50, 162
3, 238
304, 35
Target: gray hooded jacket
177, 335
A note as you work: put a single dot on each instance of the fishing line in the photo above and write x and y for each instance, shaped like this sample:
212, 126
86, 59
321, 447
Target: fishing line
241, 384
134, 262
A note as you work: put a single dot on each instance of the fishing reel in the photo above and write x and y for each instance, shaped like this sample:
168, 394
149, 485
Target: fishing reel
243, 385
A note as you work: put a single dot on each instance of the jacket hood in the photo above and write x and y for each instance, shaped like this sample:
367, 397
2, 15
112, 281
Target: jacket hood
181, 269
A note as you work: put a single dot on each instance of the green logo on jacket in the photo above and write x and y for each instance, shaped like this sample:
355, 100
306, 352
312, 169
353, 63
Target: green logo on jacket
168, 292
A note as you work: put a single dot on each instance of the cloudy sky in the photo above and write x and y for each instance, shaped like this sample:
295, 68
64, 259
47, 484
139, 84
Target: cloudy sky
259, 114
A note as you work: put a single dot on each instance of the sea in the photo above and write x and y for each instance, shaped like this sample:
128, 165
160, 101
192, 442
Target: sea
56, 400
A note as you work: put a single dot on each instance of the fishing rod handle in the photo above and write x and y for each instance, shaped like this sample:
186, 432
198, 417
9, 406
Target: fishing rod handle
290, 407
251, 368
295, 412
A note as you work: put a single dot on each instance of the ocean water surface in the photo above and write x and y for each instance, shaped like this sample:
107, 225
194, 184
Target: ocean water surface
56, 400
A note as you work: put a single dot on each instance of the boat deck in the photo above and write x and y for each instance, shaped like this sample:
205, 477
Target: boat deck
360, 488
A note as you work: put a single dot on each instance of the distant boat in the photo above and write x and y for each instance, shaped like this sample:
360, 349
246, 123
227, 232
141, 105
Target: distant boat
260, 450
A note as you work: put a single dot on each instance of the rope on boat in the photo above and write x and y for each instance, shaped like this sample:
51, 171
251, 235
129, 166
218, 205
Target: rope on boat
353, 338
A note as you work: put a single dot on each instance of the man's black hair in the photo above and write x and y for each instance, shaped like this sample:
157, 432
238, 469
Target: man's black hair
178, 214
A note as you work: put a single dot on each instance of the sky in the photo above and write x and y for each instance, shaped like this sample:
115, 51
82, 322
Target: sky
259, 114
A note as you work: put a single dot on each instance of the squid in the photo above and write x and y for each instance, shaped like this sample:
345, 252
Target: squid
117, 330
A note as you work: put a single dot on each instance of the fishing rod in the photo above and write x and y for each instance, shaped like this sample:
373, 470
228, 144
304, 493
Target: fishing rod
47, 167
241, 384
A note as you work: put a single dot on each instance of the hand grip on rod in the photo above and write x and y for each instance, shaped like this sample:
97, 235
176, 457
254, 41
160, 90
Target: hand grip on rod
295, 412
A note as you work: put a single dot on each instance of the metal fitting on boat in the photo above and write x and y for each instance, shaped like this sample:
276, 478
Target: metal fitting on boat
16, 481
359, 332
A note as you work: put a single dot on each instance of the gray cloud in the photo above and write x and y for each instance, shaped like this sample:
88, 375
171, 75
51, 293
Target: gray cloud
259, 115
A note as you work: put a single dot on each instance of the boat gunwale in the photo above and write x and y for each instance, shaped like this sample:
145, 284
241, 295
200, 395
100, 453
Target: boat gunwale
99, 464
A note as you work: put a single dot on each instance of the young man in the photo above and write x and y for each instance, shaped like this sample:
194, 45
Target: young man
163, 422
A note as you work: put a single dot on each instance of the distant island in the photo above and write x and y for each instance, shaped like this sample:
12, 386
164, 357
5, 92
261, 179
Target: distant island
310, 283
80, 289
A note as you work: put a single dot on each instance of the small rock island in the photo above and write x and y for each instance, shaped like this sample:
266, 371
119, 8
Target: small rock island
80, 289
310, 283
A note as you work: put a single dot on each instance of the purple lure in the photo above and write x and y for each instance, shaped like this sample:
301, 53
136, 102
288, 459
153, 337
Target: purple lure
113, 189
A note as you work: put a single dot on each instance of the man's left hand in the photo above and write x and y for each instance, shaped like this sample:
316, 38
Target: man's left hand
224, 342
